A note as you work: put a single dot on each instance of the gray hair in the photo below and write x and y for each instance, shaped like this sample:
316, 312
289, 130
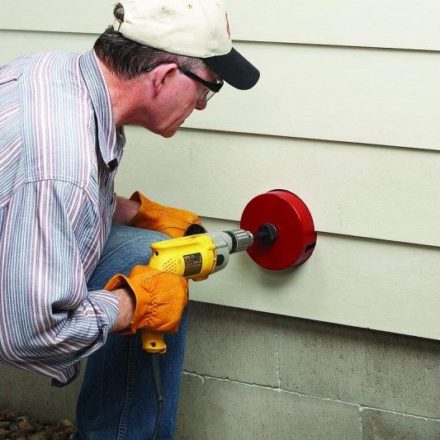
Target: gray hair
128, 59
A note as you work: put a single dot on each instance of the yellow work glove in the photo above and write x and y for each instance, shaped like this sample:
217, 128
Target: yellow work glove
160, 298
171, 221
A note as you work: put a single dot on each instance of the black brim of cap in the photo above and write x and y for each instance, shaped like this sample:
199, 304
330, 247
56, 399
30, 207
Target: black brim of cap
234, 69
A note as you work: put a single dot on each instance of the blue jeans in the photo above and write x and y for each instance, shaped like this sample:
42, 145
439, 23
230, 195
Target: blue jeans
118, 399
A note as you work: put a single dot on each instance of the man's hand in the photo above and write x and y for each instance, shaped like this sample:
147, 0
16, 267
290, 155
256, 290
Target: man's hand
160, 298
125, 210
171, 221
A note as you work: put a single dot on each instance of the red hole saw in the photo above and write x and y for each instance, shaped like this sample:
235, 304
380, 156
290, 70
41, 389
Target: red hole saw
283, 228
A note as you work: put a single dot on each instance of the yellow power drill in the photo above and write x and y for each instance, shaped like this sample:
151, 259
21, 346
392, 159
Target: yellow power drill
194, 257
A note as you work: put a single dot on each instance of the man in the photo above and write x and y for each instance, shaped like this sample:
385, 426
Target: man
71, 284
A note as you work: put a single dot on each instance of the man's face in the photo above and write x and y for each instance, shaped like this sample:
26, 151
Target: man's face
175, 100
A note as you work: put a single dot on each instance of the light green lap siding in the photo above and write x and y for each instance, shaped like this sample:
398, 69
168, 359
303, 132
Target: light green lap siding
322, 122
377, 23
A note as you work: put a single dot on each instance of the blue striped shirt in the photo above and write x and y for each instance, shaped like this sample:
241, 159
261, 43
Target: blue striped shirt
58, 151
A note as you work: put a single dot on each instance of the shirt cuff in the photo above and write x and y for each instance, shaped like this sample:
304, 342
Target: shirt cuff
106, 306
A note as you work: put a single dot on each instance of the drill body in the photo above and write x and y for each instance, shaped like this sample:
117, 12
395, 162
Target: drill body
194, 257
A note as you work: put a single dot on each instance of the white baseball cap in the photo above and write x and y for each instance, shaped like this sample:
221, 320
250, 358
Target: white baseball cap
196, 28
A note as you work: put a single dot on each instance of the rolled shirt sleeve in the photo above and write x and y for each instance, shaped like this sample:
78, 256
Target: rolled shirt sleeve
48, 249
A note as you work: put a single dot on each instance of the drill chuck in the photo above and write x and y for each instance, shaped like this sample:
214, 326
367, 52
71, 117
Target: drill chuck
240, 239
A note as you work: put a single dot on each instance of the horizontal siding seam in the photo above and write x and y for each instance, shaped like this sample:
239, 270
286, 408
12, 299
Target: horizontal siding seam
251, 41
311, 140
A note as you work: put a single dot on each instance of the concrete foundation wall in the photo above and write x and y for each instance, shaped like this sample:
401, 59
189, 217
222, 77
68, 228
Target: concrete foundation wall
251, 375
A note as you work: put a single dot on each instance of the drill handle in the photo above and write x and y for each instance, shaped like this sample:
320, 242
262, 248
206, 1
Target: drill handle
193, 257
153, 342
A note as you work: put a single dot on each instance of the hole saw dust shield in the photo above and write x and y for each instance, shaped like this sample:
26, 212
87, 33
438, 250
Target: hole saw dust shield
283, 213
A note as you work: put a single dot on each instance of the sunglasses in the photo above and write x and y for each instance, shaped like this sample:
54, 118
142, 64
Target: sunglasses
213, 87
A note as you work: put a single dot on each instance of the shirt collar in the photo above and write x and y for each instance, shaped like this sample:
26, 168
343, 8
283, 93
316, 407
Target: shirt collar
111, 140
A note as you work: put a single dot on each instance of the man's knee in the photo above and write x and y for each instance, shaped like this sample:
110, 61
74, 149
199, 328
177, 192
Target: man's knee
138, 247
125, 248
133, 246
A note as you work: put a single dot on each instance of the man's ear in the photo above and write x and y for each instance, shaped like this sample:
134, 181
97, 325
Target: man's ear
161, 74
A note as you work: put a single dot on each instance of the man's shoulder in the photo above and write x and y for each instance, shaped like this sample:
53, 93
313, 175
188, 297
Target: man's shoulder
55, 104
51, 125
31, 63
46, 69
58, 118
